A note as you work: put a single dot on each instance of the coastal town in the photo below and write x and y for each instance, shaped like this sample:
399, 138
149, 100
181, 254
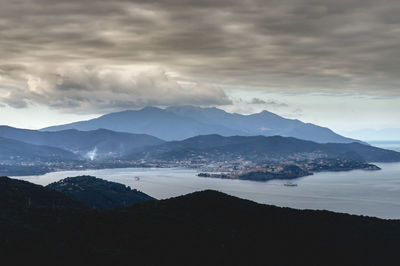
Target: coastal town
234, 169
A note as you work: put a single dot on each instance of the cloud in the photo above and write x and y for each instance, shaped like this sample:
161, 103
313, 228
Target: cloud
291, 46
293, 113
92, 89
272, 103
257, 101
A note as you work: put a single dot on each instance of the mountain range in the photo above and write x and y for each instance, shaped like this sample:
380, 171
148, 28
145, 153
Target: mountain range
103, 145
12, 151
223, 137
260, 148
181, 122
94, 144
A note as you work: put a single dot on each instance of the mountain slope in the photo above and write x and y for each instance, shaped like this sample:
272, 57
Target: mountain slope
18, 194
13, 151
177, 123
261, 148
263, 123
94, 144
202, 228
153, 121
98, 193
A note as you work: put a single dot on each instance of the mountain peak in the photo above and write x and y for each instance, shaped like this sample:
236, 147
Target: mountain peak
151, 109
185, 121
266, 113
192, 108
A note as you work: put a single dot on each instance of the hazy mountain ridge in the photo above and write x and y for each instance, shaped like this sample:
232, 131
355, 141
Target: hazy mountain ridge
150, 120
261, 148
264, 123
181, 122
13, 151
100, 143
107, 149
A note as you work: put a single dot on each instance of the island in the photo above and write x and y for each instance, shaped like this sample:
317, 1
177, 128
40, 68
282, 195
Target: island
291, 170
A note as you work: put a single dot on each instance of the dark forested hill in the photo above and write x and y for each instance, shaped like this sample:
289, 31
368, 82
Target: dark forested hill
98, 193
17, 195
203, 228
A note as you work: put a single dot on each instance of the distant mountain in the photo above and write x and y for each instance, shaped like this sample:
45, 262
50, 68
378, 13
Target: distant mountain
261, 148
153, 121
181, 122
14, 151
96, 144
98, 193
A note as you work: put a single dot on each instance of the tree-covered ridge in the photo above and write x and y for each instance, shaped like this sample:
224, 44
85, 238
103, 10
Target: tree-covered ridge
98, 193
202, 228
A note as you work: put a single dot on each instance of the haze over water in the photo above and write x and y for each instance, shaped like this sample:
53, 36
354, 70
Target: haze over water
371, 193
390, 145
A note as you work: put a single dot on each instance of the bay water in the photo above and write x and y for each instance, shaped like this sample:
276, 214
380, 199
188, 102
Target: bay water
370, 193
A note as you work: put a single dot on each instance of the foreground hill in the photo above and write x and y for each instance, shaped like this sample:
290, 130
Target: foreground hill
98, 193
14, 151
178, 123
96, 144
203, 228
261, 148
17, 195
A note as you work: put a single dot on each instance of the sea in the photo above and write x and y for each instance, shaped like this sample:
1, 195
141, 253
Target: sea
360, 192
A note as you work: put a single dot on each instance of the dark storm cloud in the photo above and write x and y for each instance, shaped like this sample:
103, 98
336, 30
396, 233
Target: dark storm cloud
291, 45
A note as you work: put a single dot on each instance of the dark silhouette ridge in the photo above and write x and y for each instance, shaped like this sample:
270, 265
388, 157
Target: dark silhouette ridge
202, 228
16, 195
98, 193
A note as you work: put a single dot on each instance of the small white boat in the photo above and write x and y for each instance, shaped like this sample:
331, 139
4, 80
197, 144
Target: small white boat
290, 184
137, 178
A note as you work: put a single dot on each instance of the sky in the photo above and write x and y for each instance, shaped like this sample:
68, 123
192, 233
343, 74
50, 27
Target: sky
333, 63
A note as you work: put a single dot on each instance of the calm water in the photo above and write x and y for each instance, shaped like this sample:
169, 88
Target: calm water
372, 193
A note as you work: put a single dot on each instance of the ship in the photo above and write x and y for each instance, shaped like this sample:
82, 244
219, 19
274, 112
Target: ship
290, 184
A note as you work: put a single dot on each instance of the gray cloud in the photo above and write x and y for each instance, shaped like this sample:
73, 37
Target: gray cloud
272, 103
289, 45
90, 89
257, 101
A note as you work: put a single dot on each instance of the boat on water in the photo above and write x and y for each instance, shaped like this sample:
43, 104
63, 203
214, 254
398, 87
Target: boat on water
137, 178
290, 184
